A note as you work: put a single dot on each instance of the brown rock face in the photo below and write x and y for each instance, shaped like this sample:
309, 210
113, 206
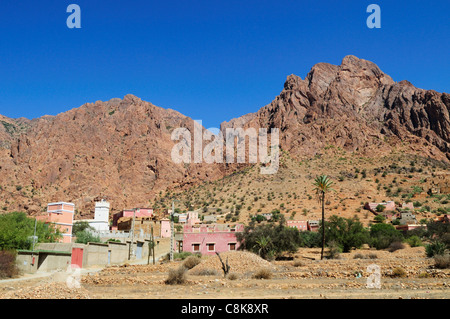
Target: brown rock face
357, 107
119, 150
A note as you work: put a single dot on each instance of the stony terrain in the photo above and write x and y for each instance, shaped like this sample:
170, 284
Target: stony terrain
303, 277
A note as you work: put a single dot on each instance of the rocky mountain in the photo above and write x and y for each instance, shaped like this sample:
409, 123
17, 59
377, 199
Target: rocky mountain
120, 150
356, 107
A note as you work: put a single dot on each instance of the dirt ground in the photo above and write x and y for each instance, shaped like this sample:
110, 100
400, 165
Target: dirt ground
303, 277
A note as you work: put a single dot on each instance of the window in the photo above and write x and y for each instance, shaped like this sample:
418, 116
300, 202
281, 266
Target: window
210, 247
195, 247
232, 246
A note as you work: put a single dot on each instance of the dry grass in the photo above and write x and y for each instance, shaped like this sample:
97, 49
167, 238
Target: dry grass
263, 273
191, 261
176, 276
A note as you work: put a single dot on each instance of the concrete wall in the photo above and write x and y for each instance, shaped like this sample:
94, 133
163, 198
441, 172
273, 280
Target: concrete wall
24, 261
58, 256
50, 261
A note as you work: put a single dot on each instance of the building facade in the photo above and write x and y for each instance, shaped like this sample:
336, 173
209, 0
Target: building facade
209, 239
61, 215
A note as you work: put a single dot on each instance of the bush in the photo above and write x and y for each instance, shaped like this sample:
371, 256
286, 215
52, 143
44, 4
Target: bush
8, 267
383, 235
191, 261
207, 272
442, 261
334, 250
263, 273
359, 256
414, 241
297, 263
16, 230
85, 236
232, 276
399, 272
373, 256
347, 233
396, 245
176, 276
310, 239
434, 249
269, 240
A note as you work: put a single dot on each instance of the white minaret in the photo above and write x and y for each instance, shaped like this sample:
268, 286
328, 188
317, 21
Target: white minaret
101, 216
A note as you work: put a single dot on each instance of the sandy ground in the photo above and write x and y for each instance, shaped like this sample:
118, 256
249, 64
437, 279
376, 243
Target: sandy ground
303, 278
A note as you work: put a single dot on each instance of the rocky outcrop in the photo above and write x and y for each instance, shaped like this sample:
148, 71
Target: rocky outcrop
357, 107
119, 150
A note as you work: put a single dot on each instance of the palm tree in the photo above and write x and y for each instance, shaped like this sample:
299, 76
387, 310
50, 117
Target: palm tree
322, 186
263, 243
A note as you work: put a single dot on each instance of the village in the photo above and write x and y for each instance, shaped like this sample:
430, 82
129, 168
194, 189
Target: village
131, 234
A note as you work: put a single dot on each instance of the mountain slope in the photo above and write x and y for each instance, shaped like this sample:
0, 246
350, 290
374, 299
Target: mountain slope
357, 107
119, 150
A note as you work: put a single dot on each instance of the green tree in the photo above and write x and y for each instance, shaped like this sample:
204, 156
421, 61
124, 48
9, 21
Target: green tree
85, 236
80, 226
382, 235
17, 229
322, 186
380, 218
269, 240
348, 233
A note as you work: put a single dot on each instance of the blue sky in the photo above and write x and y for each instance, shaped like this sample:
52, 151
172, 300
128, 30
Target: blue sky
210, 60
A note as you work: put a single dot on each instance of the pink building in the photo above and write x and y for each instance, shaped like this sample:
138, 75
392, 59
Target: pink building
192, 218
212, 238
389, 206
165, 228
301, 225
140, 212
61, 215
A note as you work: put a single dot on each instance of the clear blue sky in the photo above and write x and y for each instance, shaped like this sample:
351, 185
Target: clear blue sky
211, 60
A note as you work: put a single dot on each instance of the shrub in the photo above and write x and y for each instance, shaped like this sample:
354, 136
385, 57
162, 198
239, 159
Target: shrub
269, 240
191, 261
359, 256
399, 272
373, 256
414, 241
297, 263
184, 255
207, 272
84, 237
435, 248
334, 250
176, 276
347, 233
396, 245
263, 273
17, 228
232, 276
310, 239
8, 267
442, 261
382, 235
